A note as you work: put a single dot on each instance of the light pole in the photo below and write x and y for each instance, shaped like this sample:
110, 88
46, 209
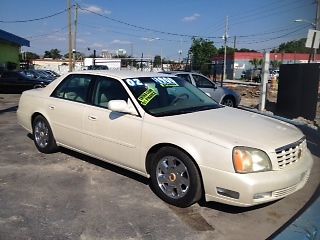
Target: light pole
314, 25
306, 21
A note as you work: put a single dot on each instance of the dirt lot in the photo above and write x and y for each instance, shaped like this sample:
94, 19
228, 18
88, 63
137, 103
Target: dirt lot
250, 97
71, 196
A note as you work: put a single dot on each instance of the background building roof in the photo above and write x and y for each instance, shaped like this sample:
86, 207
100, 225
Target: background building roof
9, 37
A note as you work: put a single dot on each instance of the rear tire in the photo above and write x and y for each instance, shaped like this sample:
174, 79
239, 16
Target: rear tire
42, 135
175, 178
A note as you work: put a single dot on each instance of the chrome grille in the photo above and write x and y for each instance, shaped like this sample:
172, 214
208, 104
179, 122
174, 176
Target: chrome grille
286, 191
290, 153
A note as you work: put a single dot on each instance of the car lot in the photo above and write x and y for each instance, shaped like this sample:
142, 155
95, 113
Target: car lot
70, 196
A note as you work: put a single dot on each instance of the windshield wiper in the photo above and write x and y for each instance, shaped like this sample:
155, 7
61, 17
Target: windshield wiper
187, 110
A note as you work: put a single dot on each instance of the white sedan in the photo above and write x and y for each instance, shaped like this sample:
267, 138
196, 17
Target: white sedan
164, 128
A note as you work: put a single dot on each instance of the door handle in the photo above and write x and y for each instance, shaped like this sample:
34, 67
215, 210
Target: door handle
92, 118
51, 107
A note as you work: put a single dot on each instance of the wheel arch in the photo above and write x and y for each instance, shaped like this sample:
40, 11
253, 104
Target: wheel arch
154, 149
37, 113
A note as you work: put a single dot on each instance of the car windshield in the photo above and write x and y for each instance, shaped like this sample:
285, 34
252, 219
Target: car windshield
165, 96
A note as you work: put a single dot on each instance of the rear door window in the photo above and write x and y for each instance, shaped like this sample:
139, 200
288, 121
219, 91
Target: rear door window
74, 88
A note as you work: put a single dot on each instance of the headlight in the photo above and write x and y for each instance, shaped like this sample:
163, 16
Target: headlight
248, 160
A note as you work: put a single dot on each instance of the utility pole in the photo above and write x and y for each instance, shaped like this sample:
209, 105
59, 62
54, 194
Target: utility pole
70, 35
225, 38
234, 43
74, 50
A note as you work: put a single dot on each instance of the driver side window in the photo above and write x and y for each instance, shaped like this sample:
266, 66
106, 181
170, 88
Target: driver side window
202, 82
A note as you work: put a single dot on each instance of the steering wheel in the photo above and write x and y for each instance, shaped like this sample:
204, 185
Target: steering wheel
179, 97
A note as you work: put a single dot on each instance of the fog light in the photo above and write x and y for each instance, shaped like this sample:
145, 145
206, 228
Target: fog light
262, 195
228, 193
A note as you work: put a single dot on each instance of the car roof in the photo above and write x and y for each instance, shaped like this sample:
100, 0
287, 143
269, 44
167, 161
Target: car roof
121, 73
181, 72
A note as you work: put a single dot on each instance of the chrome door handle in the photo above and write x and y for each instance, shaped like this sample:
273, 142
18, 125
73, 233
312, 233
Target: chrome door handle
51, 107
92, 118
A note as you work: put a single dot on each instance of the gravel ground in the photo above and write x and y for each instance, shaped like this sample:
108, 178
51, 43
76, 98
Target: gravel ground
250, 97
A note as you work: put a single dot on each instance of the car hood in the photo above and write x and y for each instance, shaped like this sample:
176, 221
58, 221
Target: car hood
231, 127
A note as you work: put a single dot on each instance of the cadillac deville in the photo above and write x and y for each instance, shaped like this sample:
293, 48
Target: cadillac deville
166, 129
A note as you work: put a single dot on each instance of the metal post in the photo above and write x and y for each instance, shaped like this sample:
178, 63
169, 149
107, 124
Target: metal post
264, 81
70, 35
225, 51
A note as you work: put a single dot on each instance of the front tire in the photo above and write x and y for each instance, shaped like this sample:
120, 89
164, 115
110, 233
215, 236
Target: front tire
175, 178
42, 135
228, 101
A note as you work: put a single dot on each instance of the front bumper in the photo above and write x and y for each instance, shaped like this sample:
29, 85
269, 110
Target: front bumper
256, 188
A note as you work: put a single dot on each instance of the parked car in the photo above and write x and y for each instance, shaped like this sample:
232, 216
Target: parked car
222, 95
274, 73
40, 74
166, 129
52, 73
18, 81
97, 67
254, 74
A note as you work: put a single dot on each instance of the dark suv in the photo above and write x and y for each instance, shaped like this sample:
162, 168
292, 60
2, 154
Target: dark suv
18, 81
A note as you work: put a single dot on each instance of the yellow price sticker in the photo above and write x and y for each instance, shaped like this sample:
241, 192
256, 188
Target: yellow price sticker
147, 96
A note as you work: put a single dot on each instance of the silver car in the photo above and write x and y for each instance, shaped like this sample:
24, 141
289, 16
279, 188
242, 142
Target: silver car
222, 95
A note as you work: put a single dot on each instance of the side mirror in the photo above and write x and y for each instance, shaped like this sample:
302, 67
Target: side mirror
121, 106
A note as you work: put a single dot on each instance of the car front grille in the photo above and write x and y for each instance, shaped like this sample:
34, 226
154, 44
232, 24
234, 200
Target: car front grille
286, 191
290, 153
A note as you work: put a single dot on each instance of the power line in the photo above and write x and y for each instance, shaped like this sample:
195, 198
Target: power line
262, 9
278, 37
220, 24
145, 28
46, 34
268, 33
132, 35
261, 16
35, 19
252, 10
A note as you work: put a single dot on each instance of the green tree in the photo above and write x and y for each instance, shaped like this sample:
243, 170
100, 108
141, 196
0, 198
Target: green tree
157, 61
53, 53
296, 46
79, 55
202, 52
29, 56
256, 62
229, 51
245, 50
275, 64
